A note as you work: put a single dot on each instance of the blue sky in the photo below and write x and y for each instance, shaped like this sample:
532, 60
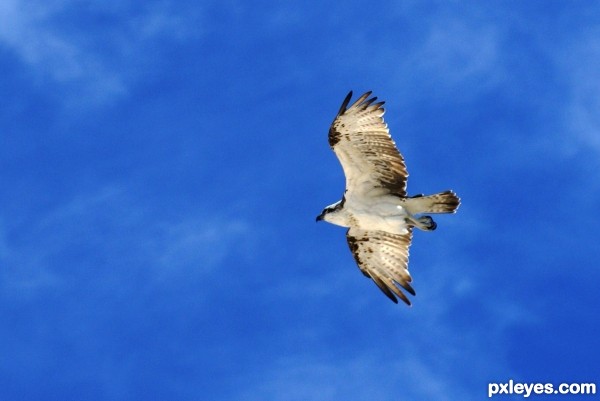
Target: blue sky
162, 165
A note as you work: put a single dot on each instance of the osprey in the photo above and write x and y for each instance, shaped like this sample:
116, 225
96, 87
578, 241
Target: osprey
375, 206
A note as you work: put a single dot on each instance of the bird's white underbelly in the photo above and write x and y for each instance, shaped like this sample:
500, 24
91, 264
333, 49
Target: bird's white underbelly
385, 215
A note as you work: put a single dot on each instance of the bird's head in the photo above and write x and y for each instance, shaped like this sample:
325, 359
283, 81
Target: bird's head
330, 211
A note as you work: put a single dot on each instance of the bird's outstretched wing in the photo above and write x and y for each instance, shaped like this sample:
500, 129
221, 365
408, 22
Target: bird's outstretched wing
361, 141
383, 257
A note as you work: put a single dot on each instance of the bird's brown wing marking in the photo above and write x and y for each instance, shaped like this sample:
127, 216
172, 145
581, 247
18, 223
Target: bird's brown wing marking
383, 257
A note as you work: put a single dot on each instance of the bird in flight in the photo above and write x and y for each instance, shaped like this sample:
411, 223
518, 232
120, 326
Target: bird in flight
375, 207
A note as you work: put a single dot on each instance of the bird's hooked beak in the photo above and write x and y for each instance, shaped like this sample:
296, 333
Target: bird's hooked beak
320, 217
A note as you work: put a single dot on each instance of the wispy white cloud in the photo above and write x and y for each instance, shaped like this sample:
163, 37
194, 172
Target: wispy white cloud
30, 31
167, 19
412, 354
447, 54
404, 368
357, 377
455, 53
95, 63
578, 60
201, 244
109, 228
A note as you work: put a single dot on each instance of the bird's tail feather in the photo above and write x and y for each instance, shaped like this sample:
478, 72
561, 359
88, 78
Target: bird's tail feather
443, 202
